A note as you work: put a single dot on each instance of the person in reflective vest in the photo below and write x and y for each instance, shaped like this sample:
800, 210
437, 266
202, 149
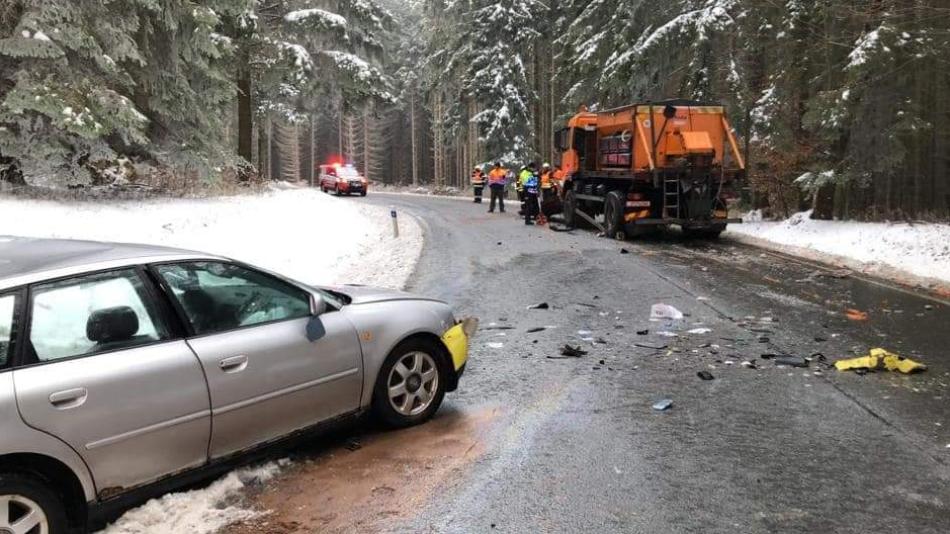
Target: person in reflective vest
526, 172
478, 183
548, 191
530, 185
496, 183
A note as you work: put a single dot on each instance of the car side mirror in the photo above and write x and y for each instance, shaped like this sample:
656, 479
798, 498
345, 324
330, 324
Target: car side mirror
318, 306
315, 328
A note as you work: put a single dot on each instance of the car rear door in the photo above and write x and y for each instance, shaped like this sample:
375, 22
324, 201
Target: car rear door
103, 371
266, 378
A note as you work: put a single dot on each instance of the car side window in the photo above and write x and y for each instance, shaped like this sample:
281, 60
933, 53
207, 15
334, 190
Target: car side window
8, 306
93, 313
217, 296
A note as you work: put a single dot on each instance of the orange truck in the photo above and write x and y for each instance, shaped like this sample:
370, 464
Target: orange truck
644, 166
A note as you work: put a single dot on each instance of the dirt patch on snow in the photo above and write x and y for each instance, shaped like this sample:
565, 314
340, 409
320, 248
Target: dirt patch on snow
389, 478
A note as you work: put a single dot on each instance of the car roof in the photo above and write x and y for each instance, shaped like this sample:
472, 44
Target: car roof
28, 259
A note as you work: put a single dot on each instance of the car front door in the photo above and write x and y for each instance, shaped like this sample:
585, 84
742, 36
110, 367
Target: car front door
103, 371
266, 377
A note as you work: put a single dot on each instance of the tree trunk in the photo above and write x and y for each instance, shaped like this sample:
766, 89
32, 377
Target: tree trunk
245, 106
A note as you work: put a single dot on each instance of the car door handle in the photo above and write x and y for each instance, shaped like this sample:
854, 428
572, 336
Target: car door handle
234, 364
70, 398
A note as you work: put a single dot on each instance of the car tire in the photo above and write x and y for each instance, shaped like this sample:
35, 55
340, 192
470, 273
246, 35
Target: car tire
422, 397
336, 191
362, 193
29, 494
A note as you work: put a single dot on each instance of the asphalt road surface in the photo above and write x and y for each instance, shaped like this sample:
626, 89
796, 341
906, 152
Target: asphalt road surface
531, 443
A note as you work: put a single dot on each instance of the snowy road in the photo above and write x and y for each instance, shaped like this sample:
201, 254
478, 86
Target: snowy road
534, 444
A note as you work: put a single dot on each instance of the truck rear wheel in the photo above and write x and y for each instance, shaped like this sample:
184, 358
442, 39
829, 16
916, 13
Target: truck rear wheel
570, 204
613, 215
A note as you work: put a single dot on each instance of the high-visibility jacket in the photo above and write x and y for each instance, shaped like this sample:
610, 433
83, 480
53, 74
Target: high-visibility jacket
547, 180
478, 177
497, 176
523, 177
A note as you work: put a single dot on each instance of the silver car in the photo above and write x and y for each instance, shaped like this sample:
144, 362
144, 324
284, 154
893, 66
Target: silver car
126, 370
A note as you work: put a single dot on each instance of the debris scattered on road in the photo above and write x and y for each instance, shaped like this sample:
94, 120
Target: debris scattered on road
497, 327
353, 445
662, 405
928, 306
749, 364
624, 251
572, 352
539, 306
654, 346
600, 341
536, 329
584, 332
496, 345
667, 333
764, 339
791, 361
643, 332
661, 312
705, 375
880, 359
856, 315
820, 339
699, 331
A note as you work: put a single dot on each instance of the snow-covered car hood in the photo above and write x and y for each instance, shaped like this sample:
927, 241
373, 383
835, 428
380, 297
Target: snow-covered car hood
365, 295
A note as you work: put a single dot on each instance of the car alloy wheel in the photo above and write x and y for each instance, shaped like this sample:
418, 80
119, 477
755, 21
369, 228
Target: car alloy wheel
20, 515
413, 383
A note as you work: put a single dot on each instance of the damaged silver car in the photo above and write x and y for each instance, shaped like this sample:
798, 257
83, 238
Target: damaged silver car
126, 370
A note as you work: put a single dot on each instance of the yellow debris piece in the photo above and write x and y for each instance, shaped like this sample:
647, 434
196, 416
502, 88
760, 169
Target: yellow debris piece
881, 359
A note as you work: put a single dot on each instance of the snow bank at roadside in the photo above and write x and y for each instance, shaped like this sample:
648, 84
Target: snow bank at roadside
303, 233
201, 511
886, 249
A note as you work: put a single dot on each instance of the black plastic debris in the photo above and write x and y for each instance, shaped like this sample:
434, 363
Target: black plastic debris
536, 329
353, 445
540, 306
497, 327
820, 339
764, 339
572, 352
624, 251
791, 361
705, 375
643, 332
654, 346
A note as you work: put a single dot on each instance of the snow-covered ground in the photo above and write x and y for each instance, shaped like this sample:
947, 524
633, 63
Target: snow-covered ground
201, 511
918, 253
302, 233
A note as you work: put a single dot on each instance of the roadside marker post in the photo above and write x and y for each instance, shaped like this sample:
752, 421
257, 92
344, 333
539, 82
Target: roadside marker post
392, 214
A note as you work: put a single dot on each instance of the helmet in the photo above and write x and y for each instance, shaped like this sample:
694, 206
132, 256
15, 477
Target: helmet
546, 166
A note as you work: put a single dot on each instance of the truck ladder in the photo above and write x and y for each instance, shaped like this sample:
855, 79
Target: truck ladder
671, 198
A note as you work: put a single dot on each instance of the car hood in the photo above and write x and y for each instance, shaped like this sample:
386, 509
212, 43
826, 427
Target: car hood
366, 295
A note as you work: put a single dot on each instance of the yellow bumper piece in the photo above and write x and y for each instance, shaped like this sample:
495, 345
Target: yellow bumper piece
456, 340
880, 358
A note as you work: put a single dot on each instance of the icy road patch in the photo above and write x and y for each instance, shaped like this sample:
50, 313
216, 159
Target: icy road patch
302, 233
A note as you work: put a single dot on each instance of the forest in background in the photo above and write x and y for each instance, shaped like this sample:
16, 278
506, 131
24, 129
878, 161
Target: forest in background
841, 106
